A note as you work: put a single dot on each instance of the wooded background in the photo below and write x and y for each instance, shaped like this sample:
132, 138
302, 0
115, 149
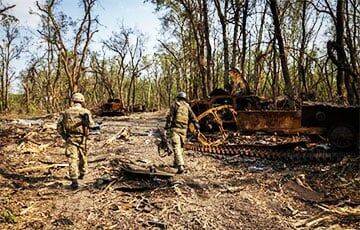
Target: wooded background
281, 48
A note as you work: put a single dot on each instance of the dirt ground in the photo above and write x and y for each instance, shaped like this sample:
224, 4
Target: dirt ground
215, 193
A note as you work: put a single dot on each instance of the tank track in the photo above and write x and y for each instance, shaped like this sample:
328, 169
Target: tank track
285, 152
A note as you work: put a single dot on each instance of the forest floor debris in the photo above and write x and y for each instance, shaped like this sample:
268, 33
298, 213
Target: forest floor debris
217, 192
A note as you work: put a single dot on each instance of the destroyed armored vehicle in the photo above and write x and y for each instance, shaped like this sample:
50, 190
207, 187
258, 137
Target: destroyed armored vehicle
249, 113
113, 107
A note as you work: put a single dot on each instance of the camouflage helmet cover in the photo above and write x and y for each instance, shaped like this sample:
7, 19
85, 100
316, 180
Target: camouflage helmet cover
78, 97
181, 95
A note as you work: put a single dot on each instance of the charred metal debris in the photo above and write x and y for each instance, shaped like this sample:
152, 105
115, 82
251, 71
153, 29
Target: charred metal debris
115, 107
328, 131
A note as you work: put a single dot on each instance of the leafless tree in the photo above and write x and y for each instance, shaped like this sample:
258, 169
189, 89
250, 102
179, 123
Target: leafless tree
72, 54
4, 9
10, 49
280, 41
119, 43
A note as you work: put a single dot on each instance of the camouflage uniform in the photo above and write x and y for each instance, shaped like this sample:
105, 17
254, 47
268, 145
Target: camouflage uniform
177, 123
73, 130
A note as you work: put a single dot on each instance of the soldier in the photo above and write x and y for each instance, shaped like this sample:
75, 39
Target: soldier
73, 126
177, 123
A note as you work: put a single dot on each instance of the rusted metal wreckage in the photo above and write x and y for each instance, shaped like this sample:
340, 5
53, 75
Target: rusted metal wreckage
115, 107
248, 114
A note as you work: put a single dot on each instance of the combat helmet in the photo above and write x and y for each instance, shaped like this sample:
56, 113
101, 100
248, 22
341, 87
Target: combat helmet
181, 95
78, 97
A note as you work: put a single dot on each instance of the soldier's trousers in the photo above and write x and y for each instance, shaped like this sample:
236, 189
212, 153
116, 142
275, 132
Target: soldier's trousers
178, 147
77, 156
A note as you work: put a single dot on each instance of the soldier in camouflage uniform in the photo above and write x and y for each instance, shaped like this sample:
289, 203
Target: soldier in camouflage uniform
177, 123
73, 127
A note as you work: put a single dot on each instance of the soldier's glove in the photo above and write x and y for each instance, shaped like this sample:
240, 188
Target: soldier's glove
197, 126
95, 127
64, 136
85, 120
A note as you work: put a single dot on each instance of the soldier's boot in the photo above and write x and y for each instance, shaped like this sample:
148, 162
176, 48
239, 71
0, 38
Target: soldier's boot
81, 176
74, 184
181, 169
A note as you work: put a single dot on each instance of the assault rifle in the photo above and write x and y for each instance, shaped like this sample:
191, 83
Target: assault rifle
85, 124
164, 144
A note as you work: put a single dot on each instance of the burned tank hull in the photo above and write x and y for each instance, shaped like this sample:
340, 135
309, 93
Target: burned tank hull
113, 107
248, 113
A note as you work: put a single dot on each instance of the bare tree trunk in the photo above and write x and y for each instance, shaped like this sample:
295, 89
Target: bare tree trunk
121, 77
243, 51
6, 76
274, 84
27, 96
2, 86
301, 65
234, 53
343, 68
133, 94
208, 47
258, 55
194, 25
283, 59
130, 91
328, 83
223, 17
340, 48
351, 35
236, 6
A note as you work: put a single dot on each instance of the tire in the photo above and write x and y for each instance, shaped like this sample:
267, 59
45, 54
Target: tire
342, 136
